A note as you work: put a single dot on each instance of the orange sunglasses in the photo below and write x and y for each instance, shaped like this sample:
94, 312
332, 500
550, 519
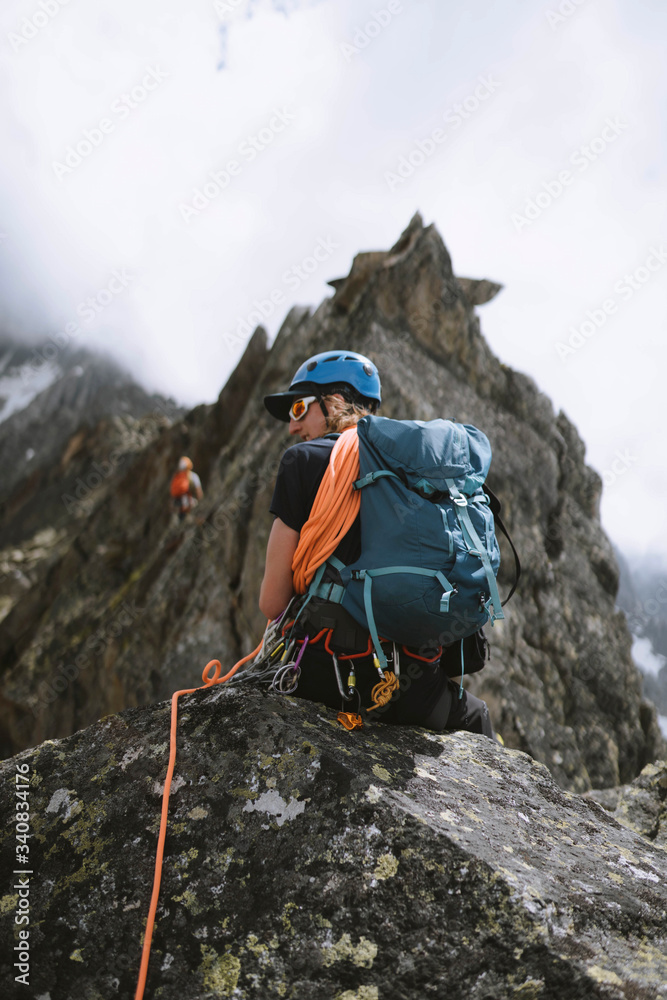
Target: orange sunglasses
299, 407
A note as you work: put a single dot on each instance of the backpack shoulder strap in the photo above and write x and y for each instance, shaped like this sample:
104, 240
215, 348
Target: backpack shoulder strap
495, 505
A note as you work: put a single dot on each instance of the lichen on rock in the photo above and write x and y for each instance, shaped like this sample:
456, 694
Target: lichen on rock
470, 858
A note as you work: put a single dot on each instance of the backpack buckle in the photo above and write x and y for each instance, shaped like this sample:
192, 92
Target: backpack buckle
444, 600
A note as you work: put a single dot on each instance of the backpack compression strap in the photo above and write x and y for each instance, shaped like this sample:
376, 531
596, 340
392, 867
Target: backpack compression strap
367, 576
475, 546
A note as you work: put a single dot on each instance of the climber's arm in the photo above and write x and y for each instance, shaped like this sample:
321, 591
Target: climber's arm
277, 590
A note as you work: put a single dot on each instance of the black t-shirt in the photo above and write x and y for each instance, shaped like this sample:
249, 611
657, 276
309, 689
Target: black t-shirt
302, 468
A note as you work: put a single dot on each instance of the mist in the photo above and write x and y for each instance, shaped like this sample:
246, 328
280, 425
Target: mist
172, 175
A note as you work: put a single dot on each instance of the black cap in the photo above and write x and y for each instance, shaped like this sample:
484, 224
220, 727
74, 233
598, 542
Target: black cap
279, 403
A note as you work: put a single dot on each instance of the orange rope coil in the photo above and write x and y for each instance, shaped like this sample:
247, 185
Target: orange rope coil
333, 512
383, 691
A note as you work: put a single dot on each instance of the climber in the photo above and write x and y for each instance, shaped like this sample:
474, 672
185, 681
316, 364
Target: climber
330, 392
185, 489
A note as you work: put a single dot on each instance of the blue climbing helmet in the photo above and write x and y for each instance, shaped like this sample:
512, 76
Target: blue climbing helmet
351, 374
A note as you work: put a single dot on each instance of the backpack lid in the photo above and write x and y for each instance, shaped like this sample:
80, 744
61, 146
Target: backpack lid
431, 450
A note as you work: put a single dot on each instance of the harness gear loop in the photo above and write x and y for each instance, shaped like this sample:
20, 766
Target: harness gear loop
345, 656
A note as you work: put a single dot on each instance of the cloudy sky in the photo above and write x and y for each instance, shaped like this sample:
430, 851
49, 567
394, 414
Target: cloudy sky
167, 170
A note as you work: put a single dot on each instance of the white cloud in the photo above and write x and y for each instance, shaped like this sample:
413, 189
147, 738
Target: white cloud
225, 73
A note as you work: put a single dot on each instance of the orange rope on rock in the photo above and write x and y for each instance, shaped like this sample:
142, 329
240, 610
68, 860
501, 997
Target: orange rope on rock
332, 515
209, 680
333, 512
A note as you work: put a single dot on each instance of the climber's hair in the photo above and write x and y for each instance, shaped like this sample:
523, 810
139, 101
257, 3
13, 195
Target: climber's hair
346, 412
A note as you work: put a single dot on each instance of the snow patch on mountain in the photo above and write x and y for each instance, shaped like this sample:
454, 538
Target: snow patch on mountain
19, 386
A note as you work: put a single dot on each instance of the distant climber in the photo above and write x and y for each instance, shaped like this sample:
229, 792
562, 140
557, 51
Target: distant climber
329, 394
185, 489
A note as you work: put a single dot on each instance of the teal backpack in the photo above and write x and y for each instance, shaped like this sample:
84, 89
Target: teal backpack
426, 576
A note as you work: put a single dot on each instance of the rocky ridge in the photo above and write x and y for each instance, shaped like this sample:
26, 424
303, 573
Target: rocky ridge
137, 606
